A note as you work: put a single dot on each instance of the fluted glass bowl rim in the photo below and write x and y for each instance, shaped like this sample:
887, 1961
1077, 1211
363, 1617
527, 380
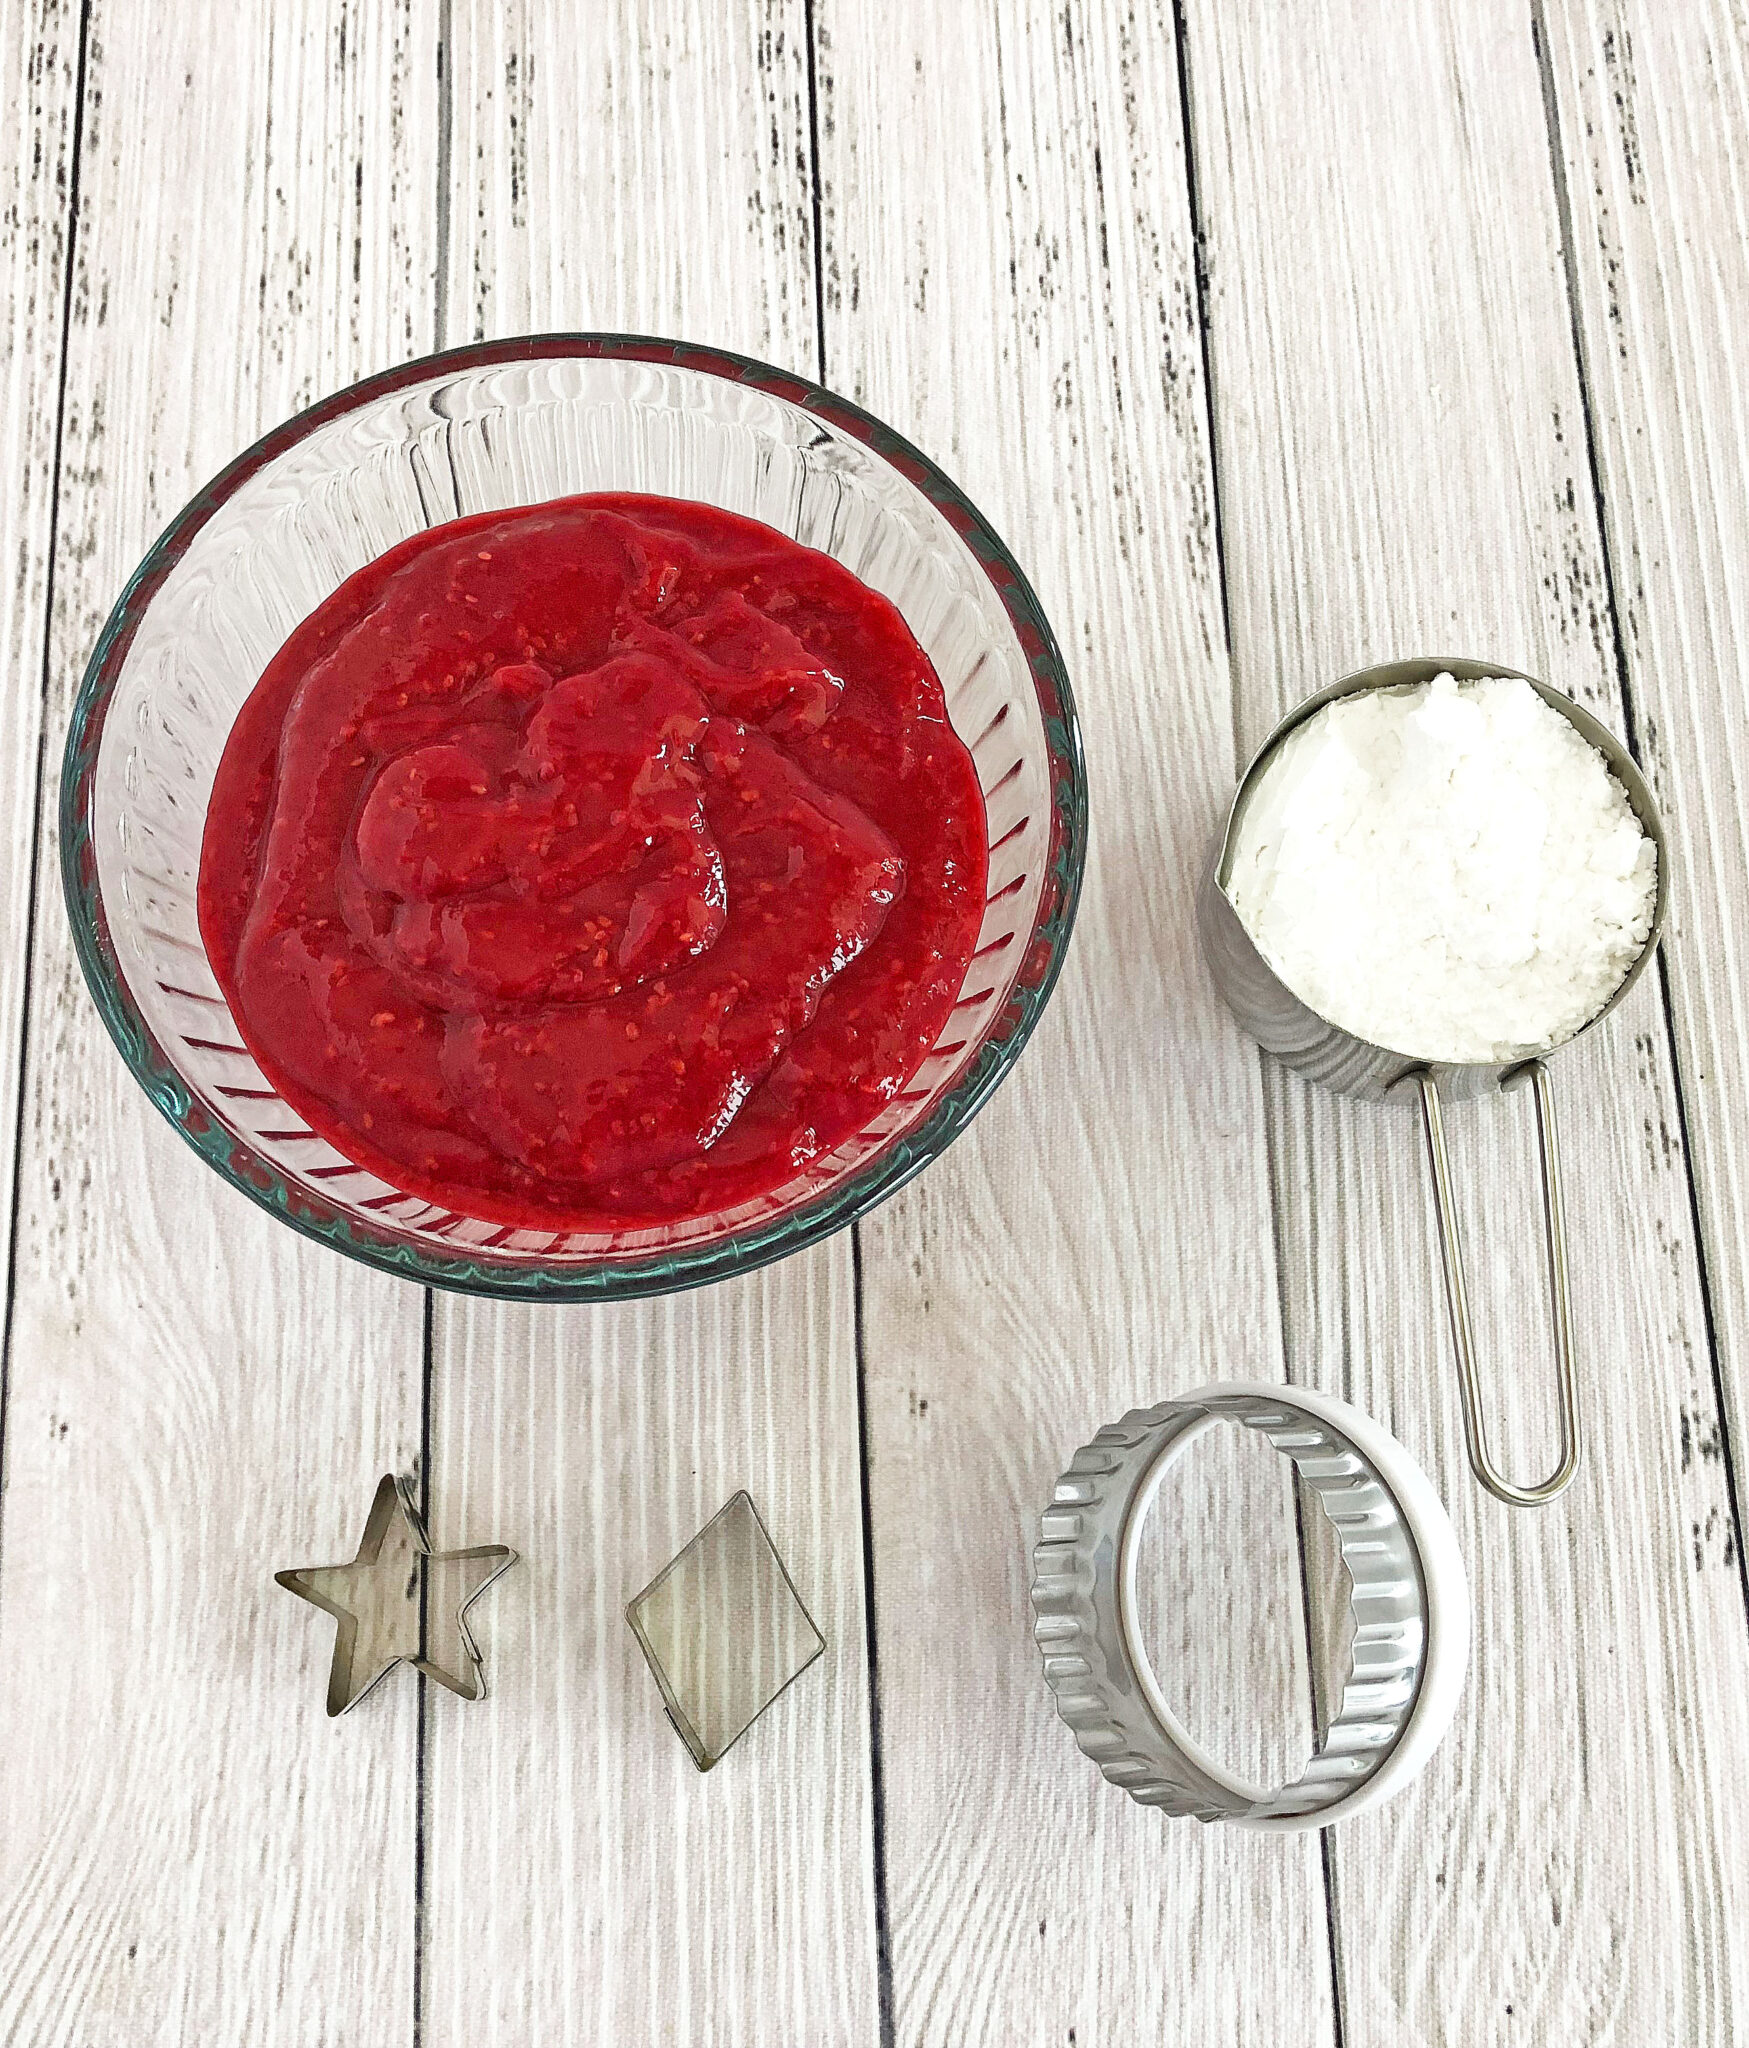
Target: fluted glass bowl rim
685, 1266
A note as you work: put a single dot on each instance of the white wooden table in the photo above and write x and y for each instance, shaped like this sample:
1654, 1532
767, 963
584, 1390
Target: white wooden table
1277, 339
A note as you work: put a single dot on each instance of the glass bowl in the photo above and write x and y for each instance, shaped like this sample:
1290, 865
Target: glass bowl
511, 423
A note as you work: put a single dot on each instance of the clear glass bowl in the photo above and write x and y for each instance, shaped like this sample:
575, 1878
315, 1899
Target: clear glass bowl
511, 423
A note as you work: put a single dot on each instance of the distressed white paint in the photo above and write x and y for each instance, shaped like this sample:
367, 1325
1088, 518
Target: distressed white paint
1019, 297
583, 1883
1654, 125
1403, 470
188, 1851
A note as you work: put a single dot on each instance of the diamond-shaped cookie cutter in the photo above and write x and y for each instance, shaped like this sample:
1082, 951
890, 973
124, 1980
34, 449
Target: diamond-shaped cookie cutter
723, 1630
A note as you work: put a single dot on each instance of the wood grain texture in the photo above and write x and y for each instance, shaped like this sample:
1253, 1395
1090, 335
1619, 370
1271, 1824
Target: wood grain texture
645, 170
1010, 282
39, 77
271, 200
190, 1851
583, 1881
1402, 454
1653, 124
640, 163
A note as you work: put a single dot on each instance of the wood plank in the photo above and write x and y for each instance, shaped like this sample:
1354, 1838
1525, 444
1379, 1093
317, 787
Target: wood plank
39, 75
1010, 282
1402, 455
645, 170
1653, 122
190, 1851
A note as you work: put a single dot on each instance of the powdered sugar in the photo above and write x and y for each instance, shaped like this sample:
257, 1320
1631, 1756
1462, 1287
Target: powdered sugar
1448, 870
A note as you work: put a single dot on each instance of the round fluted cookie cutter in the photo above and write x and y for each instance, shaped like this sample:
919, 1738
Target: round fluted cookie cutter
1302, 1039
1408, 1594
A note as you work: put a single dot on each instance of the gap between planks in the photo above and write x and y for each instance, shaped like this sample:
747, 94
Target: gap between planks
34, 882
1680, 1081
1271, 1149
871, 1643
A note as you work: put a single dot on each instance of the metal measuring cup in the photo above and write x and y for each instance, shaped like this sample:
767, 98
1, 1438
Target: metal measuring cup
1313, 1046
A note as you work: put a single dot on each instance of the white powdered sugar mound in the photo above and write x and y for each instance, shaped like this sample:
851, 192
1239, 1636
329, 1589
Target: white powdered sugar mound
1448, 870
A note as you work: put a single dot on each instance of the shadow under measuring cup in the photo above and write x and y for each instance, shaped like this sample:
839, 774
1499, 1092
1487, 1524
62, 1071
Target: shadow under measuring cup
1309, 1043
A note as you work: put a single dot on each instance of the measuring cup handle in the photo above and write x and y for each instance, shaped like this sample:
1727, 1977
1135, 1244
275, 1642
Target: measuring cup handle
1458, 1301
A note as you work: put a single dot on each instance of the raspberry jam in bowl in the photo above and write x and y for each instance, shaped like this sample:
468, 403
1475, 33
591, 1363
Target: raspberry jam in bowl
680, 900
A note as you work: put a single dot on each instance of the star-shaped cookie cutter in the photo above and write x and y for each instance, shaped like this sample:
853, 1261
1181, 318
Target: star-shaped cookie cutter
400, 1602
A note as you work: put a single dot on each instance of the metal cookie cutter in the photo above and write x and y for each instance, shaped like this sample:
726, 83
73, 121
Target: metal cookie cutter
1408, 1593
1311, 1044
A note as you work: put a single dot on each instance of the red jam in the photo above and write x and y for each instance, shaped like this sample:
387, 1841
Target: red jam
594, 864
